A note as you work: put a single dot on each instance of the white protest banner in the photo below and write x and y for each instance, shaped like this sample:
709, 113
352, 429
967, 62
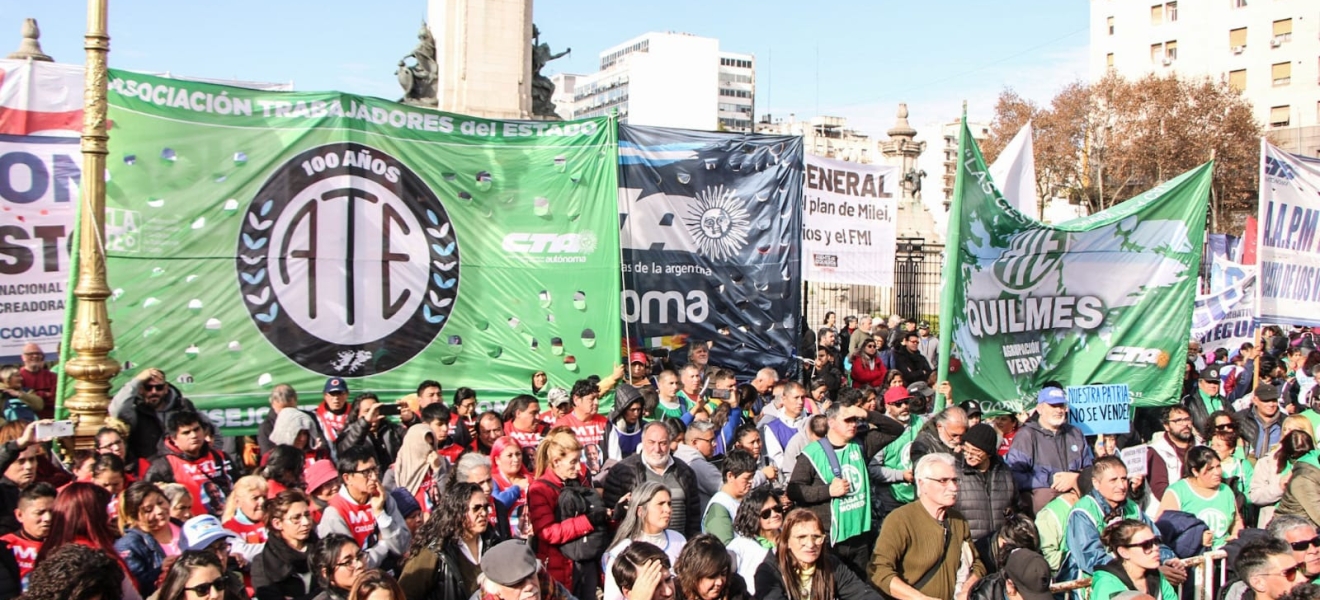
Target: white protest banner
1135, 459
1100, 409
848, 228
1015, 173
41, 117
40, 120
1225, 319
1288, 245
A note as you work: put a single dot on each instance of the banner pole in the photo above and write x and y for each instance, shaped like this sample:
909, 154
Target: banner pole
1255, 365
1256, 306
92, 339
63, 382
952, 243
623, 281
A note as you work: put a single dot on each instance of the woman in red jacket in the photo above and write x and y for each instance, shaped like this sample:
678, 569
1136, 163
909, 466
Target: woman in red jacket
558, 464
867, 367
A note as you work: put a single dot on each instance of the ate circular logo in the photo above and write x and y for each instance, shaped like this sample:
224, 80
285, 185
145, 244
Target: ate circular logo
1030, 257
347, 261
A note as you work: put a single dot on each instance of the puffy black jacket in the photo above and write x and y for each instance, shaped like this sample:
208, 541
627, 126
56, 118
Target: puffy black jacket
385, 441
627, 473
147, 424
928, 442
986, 499
990, 587
1197, 408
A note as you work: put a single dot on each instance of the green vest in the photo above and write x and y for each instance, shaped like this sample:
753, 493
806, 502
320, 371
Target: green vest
1091, 508
850, 515
1211, 403
1312, 458
1313, 417
1058, 510
898, 456
1104, 585
661, 412
1055, 512
1218, 512
1238, 466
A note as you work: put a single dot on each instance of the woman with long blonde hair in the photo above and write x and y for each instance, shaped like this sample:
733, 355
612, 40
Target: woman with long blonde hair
559, 466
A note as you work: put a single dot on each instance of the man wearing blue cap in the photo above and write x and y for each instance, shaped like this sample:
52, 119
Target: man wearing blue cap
1048, 452
332, 412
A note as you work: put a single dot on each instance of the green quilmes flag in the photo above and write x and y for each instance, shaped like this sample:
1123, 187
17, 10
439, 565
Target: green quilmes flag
1102, 299
258, 238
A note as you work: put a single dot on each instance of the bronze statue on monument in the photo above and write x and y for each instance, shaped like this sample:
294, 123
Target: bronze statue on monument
418, 77
542, 88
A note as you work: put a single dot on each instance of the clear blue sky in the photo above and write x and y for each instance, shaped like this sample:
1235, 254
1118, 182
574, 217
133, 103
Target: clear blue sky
864, 56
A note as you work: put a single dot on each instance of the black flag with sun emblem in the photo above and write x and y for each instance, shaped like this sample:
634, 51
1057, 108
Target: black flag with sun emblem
710, 225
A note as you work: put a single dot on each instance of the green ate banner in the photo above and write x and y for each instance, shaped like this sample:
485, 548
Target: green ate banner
257, 238
1106, 298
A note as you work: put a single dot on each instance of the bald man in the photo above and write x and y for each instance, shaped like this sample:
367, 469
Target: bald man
764, 382
38, 378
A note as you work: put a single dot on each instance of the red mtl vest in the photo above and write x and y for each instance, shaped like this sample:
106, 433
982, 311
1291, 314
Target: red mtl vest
252, 534
25, 552
204, 480
361, 520
331, 423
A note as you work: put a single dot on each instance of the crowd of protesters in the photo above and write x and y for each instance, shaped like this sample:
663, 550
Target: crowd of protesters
845, 483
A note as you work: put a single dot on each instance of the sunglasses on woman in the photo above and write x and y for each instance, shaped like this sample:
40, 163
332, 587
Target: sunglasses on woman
203, 589
1146, 546
773, 510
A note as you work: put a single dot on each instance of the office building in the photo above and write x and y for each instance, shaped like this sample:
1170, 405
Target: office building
1269, 49
670, 80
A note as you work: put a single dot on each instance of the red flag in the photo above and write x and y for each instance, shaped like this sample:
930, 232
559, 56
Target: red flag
1249, 242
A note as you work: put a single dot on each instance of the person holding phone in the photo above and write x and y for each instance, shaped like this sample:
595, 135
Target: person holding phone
21, 458
145, 403
368, 427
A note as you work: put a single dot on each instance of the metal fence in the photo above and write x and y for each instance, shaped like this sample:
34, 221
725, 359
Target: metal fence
915, 293
1206, 574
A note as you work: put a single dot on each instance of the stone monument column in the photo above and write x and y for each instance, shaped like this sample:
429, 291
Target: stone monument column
483, 56
902, 150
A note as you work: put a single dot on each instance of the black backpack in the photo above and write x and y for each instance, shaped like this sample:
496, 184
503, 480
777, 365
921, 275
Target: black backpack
576, 500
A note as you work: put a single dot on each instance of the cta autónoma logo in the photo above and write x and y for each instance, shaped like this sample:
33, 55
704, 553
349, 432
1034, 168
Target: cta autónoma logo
347, 261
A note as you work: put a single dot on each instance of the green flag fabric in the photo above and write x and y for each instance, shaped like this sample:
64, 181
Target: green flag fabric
258, 238
1106, 298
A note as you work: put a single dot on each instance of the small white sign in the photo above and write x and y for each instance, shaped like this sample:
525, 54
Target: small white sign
1135, 459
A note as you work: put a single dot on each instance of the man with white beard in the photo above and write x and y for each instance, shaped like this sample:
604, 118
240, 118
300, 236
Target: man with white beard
653, 462
1048, 453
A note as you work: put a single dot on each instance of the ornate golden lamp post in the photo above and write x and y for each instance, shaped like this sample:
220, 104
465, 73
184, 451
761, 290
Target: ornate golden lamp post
91, 368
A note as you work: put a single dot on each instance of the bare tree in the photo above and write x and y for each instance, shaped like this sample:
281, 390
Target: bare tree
1100, 143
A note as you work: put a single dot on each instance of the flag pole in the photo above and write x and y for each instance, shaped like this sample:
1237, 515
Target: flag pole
92, 368
952, 245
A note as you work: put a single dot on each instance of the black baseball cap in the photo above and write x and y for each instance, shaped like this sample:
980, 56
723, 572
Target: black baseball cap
1030, 574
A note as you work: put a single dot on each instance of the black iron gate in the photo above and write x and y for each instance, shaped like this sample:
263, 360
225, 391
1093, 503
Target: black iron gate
914, 295
909, 258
